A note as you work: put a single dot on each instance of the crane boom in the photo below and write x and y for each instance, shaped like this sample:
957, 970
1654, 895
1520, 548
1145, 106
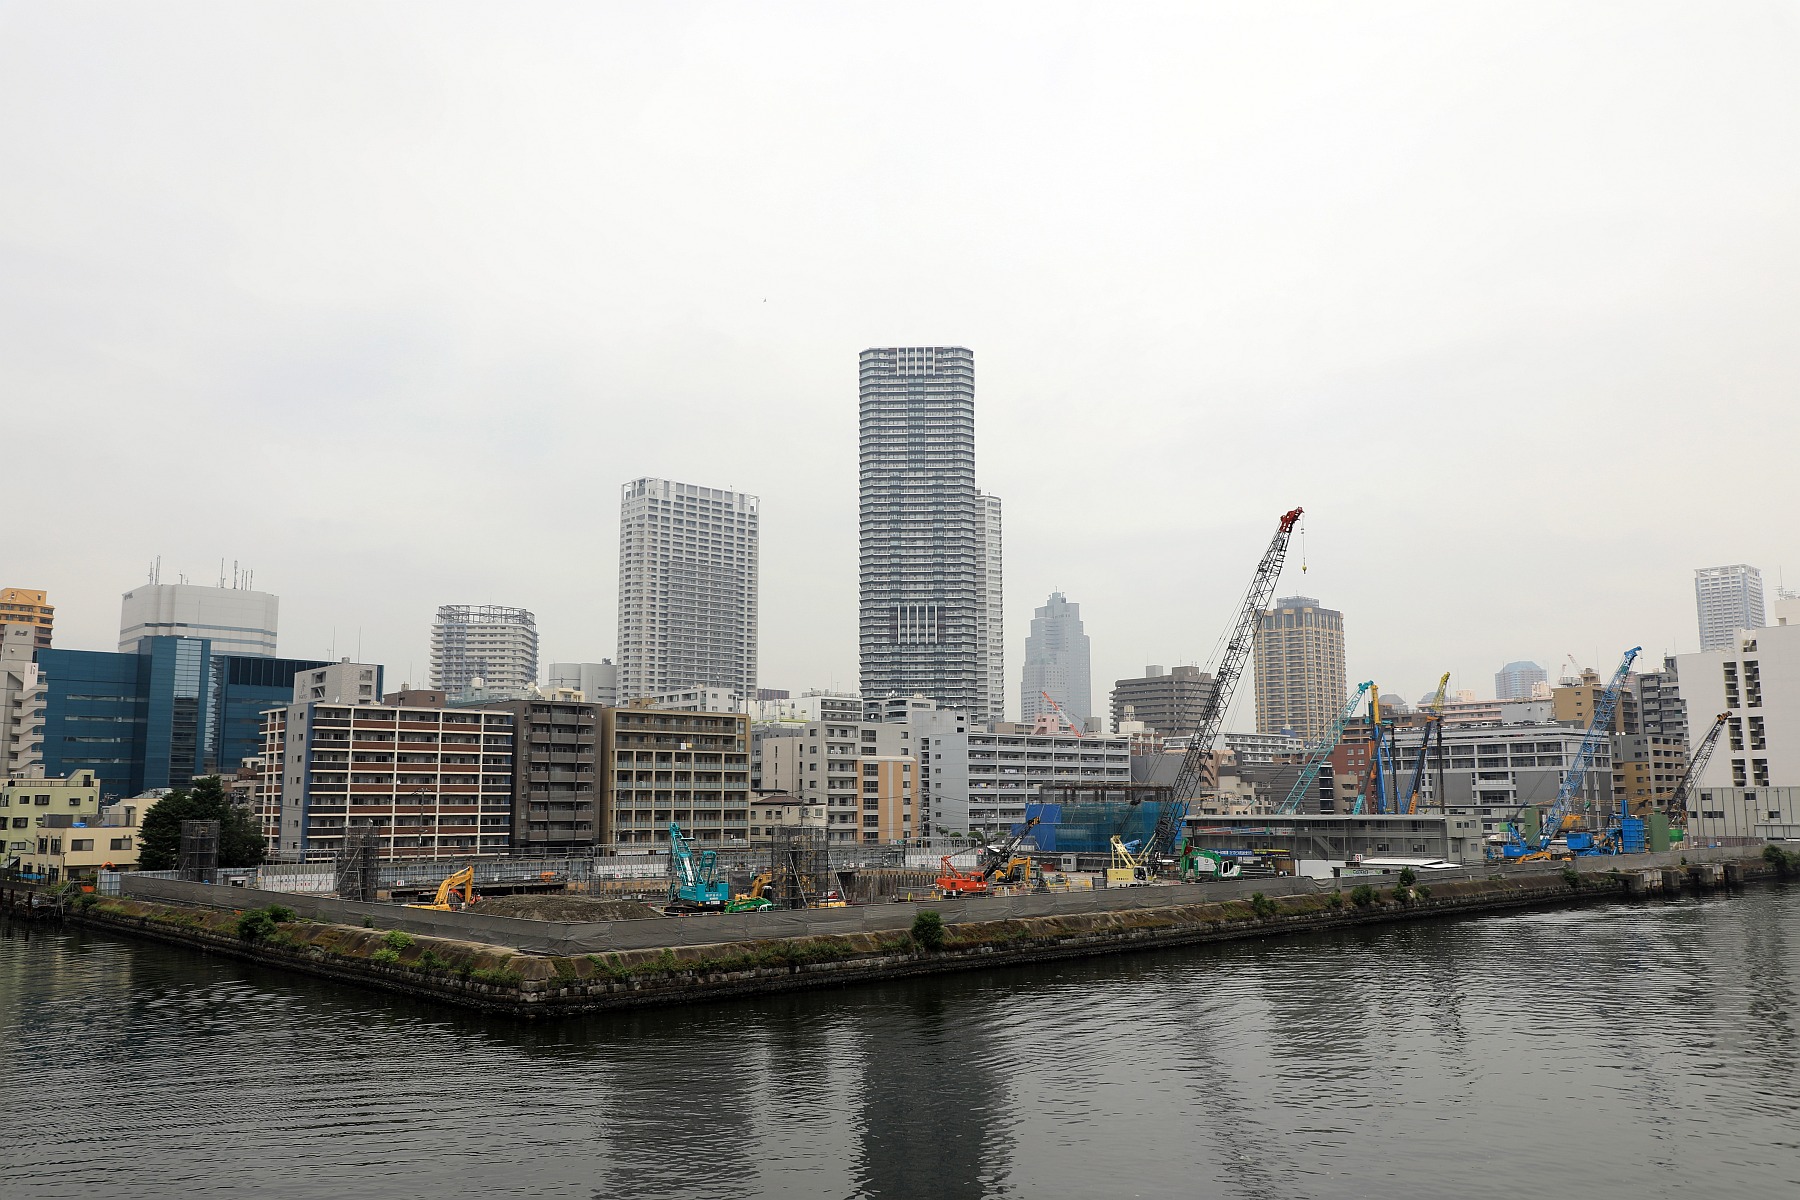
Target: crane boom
1320, 754
1695, 768
1433, 720
1598, 731
1225, 677
1058, 710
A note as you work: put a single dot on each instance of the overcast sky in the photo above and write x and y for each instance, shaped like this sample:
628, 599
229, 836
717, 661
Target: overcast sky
387, 300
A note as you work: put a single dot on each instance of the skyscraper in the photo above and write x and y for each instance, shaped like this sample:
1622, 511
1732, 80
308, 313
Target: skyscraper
489, 642
235, 620
930, 541
1300, 679
1056, 662
1727, 598
687, 588
1514, 681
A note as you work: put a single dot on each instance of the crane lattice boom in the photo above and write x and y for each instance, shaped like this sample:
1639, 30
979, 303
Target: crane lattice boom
1225, 677
1696, 766
1320, 754
1598, 731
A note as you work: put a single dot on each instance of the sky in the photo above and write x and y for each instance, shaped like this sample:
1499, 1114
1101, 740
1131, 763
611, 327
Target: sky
385, 301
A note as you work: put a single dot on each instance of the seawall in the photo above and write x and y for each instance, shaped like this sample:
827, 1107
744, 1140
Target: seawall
523, 983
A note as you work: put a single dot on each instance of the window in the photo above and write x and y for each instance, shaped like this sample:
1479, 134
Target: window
77, 845
21, 822
123, 843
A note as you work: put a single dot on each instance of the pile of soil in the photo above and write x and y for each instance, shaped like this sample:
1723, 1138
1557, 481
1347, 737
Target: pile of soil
564, 908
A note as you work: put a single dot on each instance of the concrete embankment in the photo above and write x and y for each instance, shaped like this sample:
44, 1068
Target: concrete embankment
508, 979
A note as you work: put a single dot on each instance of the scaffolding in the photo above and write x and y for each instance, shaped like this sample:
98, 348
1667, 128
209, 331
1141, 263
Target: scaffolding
199, 850
1083, 818
359, 864
799, 866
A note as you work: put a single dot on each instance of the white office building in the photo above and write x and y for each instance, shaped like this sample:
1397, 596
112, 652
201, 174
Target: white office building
235, 620
1727, 599
972, 778
687, 589
488, 649
1755, 678
1491, 771
598, 682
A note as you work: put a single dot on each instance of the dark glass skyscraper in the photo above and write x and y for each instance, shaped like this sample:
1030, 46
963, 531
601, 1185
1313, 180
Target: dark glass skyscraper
930, 541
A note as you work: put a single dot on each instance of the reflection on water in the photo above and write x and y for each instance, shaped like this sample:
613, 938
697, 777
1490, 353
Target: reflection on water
1620, 1051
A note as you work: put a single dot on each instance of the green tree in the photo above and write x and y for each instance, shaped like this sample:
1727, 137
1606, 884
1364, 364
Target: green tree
159, 845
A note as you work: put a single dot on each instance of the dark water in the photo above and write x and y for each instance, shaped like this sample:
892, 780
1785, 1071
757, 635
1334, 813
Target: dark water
1615, 1052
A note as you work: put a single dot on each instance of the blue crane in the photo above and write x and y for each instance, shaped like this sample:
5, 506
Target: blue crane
694, 884
1320, 754
1598, 731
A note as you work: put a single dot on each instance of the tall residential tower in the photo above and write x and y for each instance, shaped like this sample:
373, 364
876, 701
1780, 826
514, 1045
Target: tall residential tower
489, 642
1056, 663
1300, 677
930, 620
687, 589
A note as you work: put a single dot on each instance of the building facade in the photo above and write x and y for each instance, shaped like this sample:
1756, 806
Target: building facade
490, 643
1300, 678
1727, 599
1516, 680
598, 682
1646, 769
234, 620
1166, 700
1575, 704
432, 782
688, 563
660, 767
170, 712
1056, 663
56, 829
1491, 771
973, 779
930, 571
556, 779
1660, 710
862, 773
21, 703
1756, 680
31, 607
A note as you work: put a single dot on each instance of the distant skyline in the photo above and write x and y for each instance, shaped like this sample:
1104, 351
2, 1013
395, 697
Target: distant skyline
1444, 275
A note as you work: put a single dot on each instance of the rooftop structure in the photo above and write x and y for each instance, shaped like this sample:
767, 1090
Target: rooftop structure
235, 620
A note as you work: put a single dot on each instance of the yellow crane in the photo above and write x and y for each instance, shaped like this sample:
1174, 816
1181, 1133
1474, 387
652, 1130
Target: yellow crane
1127, 869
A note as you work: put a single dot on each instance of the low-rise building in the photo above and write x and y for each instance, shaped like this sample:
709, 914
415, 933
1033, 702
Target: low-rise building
770, 813
864, 773
687, 768
972, 778
56, 829
1736, 814
1491, 771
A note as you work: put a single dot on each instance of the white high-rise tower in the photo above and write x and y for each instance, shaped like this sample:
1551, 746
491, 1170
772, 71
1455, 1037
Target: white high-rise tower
1056, 663
1727, 598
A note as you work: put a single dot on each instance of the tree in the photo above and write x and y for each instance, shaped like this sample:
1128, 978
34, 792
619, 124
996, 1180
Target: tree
159, 845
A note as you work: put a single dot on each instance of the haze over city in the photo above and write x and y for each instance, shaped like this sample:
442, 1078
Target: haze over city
388, 302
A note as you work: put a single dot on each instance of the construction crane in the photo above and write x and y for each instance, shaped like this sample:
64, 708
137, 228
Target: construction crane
1128, 869
995, 857
1381, 760
1320, 754
1225, 678
1598, 731
694, 885
1696, 766
1058, 710
1434, 721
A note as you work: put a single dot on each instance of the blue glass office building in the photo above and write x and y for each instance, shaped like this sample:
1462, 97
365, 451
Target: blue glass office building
160, 717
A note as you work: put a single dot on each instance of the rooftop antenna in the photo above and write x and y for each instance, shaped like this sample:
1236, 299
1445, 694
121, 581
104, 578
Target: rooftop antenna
221, 572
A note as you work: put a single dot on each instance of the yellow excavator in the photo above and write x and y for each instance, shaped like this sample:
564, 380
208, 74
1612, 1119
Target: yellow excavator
457, 892
753, 900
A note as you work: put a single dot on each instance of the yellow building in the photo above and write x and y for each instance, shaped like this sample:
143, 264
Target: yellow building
889, 788
1574, 705
1646, 768
56, 830
26, 606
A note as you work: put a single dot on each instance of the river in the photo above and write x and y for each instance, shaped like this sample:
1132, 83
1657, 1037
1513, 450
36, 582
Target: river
1613, 1051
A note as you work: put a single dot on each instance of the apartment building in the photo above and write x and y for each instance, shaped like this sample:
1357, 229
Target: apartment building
660, 767
434, 782
21, 703
30, 607
557, 794
974, 778
1727, 599
1299, 668
1167, 701
1646, 769
490, 643
862, 772
56, 829
1575, 704
1755, 678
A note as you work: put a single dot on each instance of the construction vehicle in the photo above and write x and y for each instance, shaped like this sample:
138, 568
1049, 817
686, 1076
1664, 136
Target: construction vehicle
993, 857
455, 893
1517, 847
1021, 868
1127, 870
694, 883
1695, 768
1320, 754
953, 883
1232, 660
1199, 864
753, 900
1434, 721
